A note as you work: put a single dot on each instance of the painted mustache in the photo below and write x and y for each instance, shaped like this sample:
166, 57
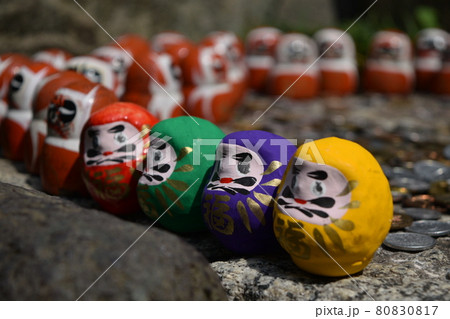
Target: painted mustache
307, 211
158, 168
118, 159
325, 202
244, 181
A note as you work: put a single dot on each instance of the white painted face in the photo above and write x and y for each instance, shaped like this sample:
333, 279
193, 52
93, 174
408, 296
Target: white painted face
314, 193
237, 169
110, 144
262, 41
68, 112
335, 43
94, 69
22, 87
296, 48
393, 46
431, 43
161, 162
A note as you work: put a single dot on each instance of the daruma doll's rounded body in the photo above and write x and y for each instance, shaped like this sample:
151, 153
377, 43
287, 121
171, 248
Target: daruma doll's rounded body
113, 148
260, 55
70, 108
180, 156
334, 207
338, 70
237, 202
389, 68
37, 131
18, 118
294, 74
430, 48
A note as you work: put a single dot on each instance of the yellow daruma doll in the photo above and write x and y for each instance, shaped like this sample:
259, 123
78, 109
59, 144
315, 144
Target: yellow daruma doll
333, 207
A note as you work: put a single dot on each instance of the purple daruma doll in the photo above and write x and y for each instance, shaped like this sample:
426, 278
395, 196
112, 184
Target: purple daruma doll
238, 199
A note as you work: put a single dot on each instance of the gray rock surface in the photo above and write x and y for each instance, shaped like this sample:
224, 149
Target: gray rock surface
392, 275
52, 249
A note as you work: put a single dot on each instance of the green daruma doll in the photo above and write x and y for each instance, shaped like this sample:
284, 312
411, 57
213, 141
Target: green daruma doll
179, 161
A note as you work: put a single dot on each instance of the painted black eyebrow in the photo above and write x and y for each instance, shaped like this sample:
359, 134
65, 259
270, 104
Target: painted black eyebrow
243, 157
161, 147
116, 129
320, 175
296, 168
92, 133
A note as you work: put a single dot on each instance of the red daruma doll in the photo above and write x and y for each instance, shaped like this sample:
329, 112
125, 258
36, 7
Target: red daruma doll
260, 45
37, 131
113, 148
338, 71
21, 92
10, 64
430, 48
295, 73
389, 68
70, 108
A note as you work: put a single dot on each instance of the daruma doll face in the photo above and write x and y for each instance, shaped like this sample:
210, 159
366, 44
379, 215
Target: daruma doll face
334, 208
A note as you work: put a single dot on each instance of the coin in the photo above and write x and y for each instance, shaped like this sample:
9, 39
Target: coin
409, 241
422, 213
400, 221
429, 170
423, 201
430, 227
399, 172
414, 185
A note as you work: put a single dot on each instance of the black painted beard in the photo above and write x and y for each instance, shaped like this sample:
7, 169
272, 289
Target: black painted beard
244, 181
326, 202
116, 159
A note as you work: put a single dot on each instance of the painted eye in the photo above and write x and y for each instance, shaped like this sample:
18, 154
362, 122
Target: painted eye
16, 82
176, 72
157, 156
318, 188
244, 167
67, 111
95, 142
93, 75
120, 137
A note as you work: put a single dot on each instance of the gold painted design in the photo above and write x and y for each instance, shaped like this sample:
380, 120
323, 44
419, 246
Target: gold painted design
215, 215
244, 215
185, 168
172, 196
107, 184
274, 182
183, 152
178, 185
293, 241
352, 205
162, 201
319, 238
344, 224
334, 236
273, 166
351, 185
256, 210
263, 198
